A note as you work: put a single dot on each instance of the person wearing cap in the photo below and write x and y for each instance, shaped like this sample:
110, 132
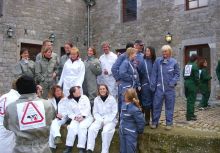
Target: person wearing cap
139, 46
164, 78
107, 60
29, 118
191, 81
7, 138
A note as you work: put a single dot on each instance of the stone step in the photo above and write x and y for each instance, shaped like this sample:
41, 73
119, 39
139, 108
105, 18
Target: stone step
178, 140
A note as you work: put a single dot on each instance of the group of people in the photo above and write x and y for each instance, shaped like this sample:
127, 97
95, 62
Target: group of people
131, 88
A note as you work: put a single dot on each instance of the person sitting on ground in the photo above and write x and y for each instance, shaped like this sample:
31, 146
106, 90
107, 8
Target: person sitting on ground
56, 97
79, 110
105, 113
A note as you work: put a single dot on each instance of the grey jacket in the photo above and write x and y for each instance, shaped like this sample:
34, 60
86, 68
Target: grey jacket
33, 140
92, 70
24, 68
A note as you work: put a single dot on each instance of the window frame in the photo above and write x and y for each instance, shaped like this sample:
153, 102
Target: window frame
125, 16
198, 7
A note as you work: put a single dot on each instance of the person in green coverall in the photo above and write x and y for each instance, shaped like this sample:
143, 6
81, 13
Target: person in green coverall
204, 83
191, 80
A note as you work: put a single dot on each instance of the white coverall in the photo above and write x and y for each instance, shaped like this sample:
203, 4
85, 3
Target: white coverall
72, 75
105, 114
57, 123
80, 108
7, 138
107, 60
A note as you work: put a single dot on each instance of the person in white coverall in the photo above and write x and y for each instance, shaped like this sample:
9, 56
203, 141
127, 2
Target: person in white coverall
79, 110
104, 111
7, 138
57, 99
107, 60
73, 72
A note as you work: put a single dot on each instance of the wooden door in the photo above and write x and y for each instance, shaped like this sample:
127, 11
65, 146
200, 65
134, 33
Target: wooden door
33, 49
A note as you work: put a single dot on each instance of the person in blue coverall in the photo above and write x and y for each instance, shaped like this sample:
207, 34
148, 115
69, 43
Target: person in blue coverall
164, 77
145, 73
132, 122
128, 74
115, 71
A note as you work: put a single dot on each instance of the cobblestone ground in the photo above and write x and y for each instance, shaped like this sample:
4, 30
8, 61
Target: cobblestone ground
207, 120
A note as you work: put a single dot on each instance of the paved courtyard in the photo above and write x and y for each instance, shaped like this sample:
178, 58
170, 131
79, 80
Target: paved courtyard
207, 120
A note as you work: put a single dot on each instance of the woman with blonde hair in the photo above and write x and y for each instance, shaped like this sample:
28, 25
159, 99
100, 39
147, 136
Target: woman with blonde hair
132, 122
128, 74
46, 70
164, 77
73, 72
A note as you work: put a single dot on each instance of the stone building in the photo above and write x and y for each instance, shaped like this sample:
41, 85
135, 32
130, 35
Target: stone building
32, 21
194, 25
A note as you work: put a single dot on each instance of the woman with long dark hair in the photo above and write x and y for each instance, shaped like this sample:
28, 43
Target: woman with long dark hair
145, 73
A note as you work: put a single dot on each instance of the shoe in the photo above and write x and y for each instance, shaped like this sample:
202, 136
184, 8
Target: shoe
53, 150
68, 149
153, 126
191, 118
201, 108
89, 151
81, 150
168, 127
57, 140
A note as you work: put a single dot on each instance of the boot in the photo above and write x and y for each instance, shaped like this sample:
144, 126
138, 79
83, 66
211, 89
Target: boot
57, 140
81, 150
53, 150
89, 151
147, 116
68, 149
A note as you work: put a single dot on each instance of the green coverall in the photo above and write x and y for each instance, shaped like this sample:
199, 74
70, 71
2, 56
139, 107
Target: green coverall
204, 87
218, 70
190, 85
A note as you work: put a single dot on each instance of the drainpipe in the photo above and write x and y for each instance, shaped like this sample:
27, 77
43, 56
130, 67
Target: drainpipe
89, 4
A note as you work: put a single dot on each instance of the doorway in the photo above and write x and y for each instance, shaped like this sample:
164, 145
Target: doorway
203, 51
33, 49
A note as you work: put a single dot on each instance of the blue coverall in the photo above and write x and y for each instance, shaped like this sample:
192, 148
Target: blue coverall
131, 124
129, 78
146, 93
165, 75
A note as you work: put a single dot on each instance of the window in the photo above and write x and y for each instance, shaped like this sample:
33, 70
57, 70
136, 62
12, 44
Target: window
1, 8
129, 9
193, 4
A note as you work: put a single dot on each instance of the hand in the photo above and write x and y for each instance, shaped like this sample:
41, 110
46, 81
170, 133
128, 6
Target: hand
139, 88
59, 116
39, 90
54, 75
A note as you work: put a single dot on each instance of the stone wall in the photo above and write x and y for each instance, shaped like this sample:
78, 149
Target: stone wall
154, 20
65, 18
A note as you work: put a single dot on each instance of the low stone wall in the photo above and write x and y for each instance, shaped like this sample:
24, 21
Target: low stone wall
178, 140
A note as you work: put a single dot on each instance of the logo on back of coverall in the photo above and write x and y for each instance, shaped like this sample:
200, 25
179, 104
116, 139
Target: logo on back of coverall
31, 115
2, 106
